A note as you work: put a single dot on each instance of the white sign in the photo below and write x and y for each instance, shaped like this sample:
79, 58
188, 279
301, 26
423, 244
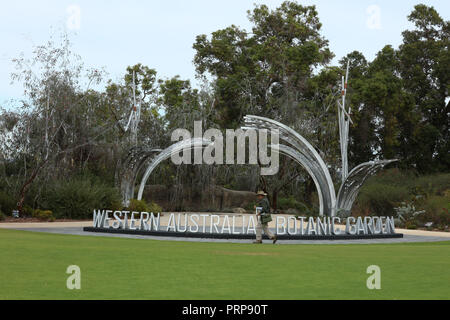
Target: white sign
226, 224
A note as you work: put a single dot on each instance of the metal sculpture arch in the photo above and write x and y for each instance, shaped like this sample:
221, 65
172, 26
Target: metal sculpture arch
297, 148
135, 160
350, 188
305, 154
166, 154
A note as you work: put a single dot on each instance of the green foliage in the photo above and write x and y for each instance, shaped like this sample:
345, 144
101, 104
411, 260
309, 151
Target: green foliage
389, 189
279, 69
43, 215
407, 215
437, 211
2, 216
380, 199
155, 208
290, 203
7, 203
138, 206
280, 53
27, 211
76, 198
142, 206
250, 206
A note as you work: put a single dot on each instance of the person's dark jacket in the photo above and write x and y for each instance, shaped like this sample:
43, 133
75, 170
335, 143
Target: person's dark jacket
264, 204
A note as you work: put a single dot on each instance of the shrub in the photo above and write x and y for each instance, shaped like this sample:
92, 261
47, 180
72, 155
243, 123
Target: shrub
155, 208
138, 205
27, 211
142, 206
43, 215
435, 204
408, 215
250, 206
2, 216
292, 203
7, 203
381, 199
77, 198
382, 193
436, 211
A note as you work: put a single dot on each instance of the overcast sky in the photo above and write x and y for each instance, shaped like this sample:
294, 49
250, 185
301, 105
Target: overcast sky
114, 34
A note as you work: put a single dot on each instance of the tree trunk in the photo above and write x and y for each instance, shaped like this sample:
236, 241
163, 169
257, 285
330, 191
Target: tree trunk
275, 200
26, 187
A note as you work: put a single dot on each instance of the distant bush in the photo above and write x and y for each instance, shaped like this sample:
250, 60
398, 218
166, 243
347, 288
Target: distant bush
138, 206
155, 208
7, 203
389, 189
142, 206
76, 198
27, 211
436, 211
292, 203
44, 215
2, 216
250, 206
380, 199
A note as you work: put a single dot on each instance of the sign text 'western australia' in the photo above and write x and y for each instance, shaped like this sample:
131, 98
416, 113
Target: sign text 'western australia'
243, 224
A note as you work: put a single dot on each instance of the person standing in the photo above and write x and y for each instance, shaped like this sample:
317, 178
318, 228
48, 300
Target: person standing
263, 218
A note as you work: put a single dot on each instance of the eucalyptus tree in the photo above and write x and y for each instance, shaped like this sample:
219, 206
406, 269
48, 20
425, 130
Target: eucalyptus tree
425, 69
56, 129
267, 72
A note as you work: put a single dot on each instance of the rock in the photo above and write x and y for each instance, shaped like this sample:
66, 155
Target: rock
239, 210
215, 199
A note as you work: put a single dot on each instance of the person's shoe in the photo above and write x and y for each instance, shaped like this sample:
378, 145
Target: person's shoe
257, 242
275, 240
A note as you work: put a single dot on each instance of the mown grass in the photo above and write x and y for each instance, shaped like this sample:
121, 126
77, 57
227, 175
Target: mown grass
33, 266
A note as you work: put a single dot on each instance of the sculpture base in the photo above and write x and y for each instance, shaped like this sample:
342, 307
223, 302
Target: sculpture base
201, 235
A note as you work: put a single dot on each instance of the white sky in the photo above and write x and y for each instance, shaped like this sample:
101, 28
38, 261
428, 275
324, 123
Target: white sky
160, 34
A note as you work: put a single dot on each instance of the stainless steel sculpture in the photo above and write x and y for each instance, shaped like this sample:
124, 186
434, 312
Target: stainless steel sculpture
344, 119
350, 188
167, 153
295, 147
134, 162
139, 156
304, 153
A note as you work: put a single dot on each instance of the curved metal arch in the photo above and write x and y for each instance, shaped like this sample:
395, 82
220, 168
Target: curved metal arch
190, 144
350, 188
311, 158
313, 170
132, 165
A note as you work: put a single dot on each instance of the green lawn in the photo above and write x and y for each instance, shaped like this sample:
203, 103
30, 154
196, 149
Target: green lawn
33, 266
